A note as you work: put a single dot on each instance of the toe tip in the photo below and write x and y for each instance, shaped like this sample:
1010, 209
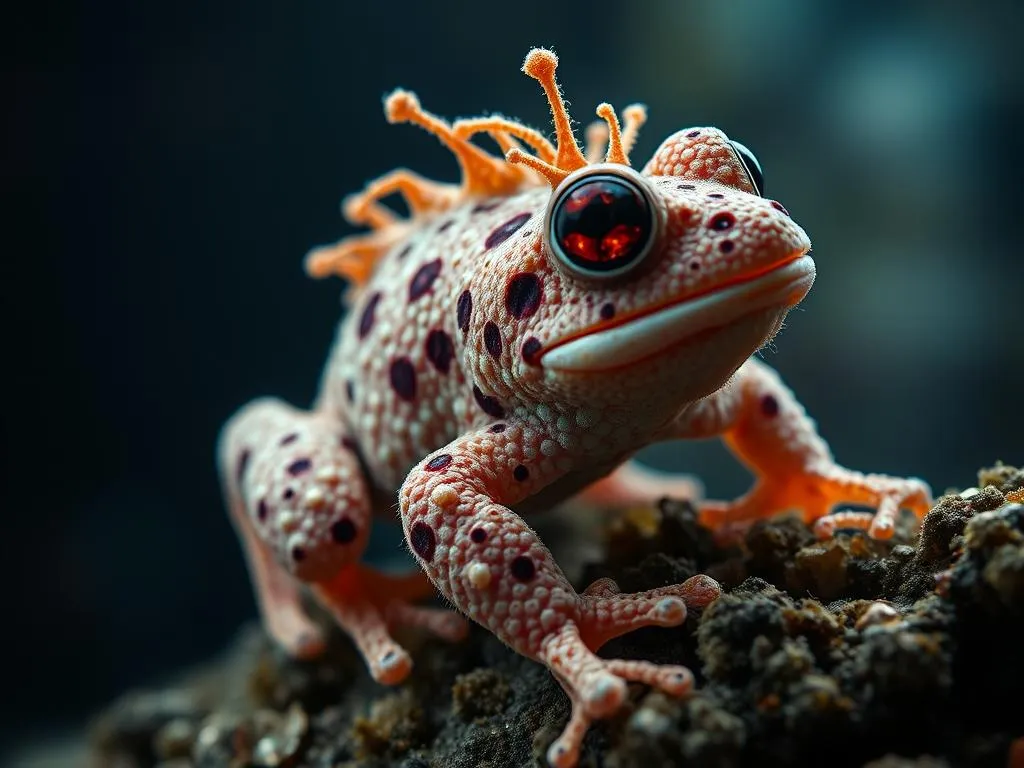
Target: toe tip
392, 668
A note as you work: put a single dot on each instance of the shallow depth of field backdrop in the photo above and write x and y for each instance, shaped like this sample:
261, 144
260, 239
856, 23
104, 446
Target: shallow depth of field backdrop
167, 167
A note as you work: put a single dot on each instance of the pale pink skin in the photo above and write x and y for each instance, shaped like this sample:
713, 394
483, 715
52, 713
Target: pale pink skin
302, 485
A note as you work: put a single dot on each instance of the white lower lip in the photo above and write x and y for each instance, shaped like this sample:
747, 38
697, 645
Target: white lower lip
650, 334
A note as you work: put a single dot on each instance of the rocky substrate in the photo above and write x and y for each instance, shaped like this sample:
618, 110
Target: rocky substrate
841, 653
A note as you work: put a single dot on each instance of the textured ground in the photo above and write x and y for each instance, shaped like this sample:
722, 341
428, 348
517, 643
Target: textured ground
845, 653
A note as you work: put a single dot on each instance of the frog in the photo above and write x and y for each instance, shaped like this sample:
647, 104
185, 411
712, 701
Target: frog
514, 342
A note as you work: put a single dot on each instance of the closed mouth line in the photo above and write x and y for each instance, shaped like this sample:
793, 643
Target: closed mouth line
639, 334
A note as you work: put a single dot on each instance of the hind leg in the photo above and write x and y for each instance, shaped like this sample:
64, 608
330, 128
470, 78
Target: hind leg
300, 504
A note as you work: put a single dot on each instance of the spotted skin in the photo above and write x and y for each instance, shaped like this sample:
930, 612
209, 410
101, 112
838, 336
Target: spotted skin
479, 372
301, 506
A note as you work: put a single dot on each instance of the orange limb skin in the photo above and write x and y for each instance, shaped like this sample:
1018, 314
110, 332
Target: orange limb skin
764, 426
367, 604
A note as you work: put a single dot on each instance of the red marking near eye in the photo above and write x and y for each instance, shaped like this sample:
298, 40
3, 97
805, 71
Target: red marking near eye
612, 246
604, 222
616, 243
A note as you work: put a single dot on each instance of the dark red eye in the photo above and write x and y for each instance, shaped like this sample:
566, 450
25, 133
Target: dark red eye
602, 225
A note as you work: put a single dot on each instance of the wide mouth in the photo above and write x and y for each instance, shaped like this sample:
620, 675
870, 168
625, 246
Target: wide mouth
635, 337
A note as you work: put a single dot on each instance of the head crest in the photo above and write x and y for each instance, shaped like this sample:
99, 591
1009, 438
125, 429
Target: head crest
540, 64
483, 174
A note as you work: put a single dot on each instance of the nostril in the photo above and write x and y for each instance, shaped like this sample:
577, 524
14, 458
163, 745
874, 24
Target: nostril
779, 207
726, 246
722, 221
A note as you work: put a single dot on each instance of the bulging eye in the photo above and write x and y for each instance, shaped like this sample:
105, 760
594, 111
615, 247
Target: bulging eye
601, 224
751, 165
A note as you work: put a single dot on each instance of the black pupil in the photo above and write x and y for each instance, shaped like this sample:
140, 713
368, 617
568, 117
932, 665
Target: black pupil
602, 223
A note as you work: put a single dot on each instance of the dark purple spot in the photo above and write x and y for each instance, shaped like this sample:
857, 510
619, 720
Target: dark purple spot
440, 461
726, 246
299, 466
349, 443
343, 531
299, 554
778, 207
446, 226
488, 404
479, 535
404, 252
693, 134
496, 428
722, 221
607, 311
464, 310
288, 493
487, 205
424, 278
423, 542
366, 319
520, 473
403, 378
522, 295
685, 186
243, 464
530, 349
523, 568
506, 230
694, 265
387, 657
769, 406
492, 339
716, 195
350, 390
288, 439
440, 350
261, 510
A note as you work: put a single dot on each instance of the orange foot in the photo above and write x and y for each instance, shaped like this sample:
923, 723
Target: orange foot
815, 492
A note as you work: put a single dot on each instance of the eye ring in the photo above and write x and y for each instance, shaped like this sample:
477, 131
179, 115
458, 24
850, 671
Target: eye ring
602, 255
750, 164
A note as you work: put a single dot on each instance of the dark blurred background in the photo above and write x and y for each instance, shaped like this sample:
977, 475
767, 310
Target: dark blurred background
168, 165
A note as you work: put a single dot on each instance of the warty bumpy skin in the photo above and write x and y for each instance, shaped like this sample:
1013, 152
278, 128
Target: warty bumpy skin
512, 342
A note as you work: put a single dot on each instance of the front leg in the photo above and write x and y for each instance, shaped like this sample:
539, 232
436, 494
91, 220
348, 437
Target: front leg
767, 429
493, 567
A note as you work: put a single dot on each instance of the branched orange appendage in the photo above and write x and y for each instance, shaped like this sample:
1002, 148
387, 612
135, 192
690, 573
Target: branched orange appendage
635, 116
540, 64
615, 154
420, 194
596, 137
517, 156
482, 174
354, 257
495, 125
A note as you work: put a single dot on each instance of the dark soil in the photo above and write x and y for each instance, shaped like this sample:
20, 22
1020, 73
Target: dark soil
849, 652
